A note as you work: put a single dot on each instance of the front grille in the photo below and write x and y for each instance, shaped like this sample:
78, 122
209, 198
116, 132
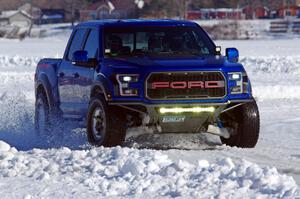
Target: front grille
176, 85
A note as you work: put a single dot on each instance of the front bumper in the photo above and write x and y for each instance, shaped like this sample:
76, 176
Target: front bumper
180, 103
186, 121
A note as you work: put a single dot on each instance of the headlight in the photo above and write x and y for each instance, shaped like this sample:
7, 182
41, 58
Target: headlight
128, 78
237, 78
124, 81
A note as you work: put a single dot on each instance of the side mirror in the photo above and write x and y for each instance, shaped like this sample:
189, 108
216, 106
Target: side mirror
80, 56
232, 54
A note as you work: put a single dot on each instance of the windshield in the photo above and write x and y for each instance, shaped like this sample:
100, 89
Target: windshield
157, 41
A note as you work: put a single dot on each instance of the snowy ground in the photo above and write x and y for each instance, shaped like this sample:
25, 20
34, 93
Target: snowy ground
195, 166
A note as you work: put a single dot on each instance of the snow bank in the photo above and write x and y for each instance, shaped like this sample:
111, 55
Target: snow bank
124, 172
4, 146
274, 77
273, 65
257, 64
236, 29
8, 63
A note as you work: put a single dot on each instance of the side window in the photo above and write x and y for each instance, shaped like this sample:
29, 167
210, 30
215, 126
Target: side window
92, 43
76, 42
119, 42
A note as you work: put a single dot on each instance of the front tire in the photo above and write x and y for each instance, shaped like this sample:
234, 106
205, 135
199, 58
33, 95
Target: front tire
244, 123
105, 125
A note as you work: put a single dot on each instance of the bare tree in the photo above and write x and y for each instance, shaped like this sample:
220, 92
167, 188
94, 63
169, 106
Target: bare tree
71, 6
182, 6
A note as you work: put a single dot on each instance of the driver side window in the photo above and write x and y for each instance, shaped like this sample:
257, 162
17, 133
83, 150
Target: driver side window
92, 43
76, 43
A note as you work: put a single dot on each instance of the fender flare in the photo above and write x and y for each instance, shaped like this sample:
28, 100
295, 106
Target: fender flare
44, 82
101, 86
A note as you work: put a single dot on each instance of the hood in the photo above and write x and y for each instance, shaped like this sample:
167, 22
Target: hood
171, 63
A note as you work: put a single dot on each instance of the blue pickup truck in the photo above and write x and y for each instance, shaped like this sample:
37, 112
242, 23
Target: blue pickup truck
164, 74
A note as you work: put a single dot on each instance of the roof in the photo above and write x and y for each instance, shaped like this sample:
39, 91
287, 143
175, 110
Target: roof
137, 22
217, 10
8, 14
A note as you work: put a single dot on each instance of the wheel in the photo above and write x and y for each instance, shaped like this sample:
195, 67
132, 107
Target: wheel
105, 124
46, 122
243, 123
42, 116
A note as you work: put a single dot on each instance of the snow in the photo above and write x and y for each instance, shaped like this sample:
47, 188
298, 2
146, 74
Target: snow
193, 166
246, 29
241, 29
140, 3
127, 173
4, 146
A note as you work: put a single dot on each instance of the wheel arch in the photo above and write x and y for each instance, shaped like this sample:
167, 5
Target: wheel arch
99, 89
43, 85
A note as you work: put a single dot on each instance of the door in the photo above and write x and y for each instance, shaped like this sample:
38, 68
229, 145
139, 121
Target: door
85, 75
66, 74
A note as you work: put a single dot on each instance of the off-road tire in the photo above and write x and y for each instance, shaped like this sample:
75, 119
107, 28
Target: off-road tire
244, 124
52, 130
112, 122
42, 112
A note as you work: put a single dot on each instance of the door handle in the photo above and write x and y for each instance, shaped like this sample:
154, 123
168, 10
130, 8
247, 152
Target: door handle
76, 75
61, 74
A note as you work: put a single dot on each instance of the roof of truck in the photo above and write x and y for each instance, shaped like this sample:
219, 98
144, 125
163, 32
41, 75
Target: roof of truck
137, 22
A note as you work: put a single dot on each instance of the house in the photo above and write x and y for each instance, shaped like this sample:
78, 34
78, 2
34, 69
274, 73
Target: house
228, 13
109, 9
33, 11
298, 5
212, 13
3, 21
27, 12
259, 12
262, 12
100, 10
17, 18
194, 15
288, 11
49, 16
248, 12
15, 24
21, 19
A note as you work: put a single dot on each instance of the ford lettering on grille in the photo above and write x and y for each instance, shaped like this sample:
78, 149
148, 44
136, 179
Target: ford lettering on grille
186, 85
189, 84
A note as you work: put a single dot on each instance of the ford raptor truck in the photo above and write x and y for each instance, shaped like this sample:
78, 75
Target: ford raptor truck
167, 75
